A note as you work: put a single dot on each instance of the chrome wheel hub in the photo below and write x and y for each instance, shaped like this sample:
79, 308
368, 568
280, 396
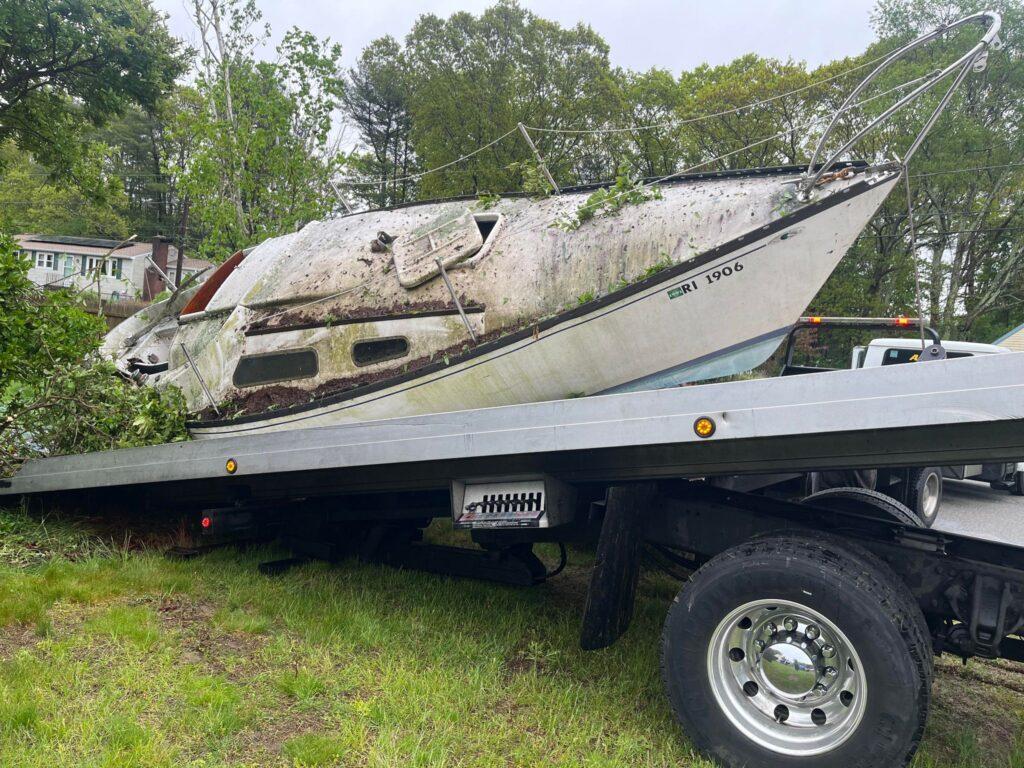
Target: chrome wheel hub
786, 677
930, 496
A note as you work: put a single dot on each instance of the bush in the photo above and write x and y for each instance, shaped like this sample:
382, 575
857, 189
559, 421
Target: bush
56, 396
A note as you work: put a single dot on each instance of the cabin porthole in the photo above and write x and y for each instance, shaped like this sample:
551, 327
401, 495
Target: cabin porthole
372, 351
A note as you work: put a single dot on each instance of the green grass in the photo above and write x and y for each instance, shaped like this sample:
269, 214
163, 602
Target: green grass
116, 659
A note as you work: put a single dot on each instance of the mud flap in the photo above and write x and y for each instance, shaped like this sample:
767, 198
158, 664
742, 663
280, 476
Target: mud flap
612, 591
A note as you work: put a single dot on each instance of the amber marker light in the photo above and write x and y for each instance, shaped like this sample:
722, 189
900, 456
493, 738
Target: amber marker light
231, 466
704, 427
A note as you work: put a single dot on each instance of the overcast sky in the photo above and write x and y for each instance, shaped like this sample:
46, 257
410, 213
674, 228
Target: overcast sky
673, 34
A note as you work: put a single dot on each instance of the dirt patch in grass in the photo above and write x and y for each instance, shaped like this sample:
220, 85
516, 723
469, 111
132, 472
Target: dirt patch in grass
263, 742
15, 638
221, 651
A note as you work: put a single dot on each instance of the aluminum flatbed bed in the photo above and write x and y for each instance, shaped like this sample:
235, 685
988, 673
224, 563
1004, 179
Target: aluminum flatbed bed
942, 412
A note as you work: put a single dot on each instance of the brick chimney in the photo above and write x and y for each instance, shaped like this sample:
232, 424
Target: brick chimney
154, 283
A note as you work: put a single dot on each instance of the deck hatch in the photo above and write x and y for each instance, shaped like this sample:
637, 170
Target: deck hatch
271, 367
452, 237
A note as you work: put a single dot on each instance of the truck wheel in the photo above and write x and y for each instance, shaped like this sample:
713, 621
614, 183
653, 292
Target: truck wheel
790, 651
924, 493
864, 501
1017, 487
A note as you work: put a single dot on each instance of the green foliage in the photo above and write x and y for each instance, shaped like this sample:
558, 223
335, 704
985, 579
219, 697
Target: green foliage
611, 199
31, 200
459, 83
376, 98
69, 64
139, 152
531, 178
486, 200
662, 264
55, 396
259, 161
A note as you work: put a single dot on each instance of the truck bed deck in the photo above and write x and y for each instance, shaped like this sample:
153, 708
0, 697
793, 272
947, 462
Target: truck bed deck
942, 412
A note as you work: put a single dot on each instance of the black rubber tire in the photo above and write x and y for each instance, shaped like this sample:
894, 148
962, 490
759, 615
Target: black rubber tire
1017, 486
917, 482
864, 501
852, 588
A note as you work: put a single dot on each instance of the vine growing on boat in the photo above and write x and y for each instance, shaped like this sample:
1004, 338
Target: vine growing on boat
609, 200
534, 183
487, 200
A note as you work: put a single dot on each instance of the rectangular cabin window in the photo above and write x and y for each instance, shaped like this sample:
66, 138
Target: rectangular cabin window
272, 367
378, 350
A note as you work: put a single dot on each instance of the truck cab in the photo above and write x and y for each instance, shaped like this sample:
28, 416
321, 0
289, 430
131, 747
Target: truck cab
920, 489
893, 351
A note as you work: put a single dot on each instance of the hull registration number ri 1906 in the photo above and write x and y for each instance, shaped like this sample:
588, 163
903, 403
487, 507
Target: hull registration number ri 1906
708, 278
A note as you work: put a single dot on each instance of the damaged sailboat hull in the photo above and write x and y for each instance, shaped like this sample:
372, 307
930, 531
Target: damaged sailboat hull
447, 306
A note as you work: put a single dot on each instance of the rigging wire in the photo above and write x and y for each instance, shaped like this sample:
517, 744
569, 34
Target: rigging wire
420, 175
944, 232
723, 113
415, 176
949, 171
913, 254
689, 169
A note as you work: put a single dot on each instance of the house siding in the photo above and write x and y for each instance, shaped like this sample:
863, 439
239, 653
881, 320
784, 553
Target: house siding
69, 268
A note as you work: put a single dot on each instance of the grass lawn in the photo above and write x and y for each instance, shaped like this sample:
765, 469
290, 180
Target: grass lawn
111, 656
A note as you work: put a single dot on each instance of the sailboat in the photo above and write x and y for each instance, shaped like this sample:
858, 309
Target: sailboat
467, 303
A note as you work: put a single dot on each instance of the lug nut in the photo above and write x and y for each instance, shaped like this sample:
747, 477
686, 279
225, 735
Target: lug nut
819, 689
831, 672
789, 624
828, 651
770, 628
812, 632
759, 645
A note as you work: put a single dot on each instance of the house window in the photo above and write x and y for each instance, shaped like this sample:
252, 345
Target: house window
44, 260
107, 267
378, 350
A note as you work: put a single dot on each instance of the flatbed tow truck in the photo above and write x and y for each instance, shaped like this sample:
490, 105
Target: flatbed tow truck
809, 626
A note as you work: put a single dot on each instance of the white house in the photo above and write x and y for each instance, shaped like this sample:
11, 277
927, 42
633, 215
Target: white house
126, 270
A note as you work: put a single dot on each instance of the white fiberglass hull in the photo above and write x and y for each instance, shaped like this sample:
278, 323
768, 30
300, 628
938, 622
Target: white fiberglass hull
720, 313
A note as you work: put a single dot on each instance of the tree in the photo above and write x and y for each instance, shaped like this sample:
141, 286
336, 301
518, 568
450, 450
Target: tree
259, 160
69, 64
475, 78
31, 200
139, 153
376, 99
